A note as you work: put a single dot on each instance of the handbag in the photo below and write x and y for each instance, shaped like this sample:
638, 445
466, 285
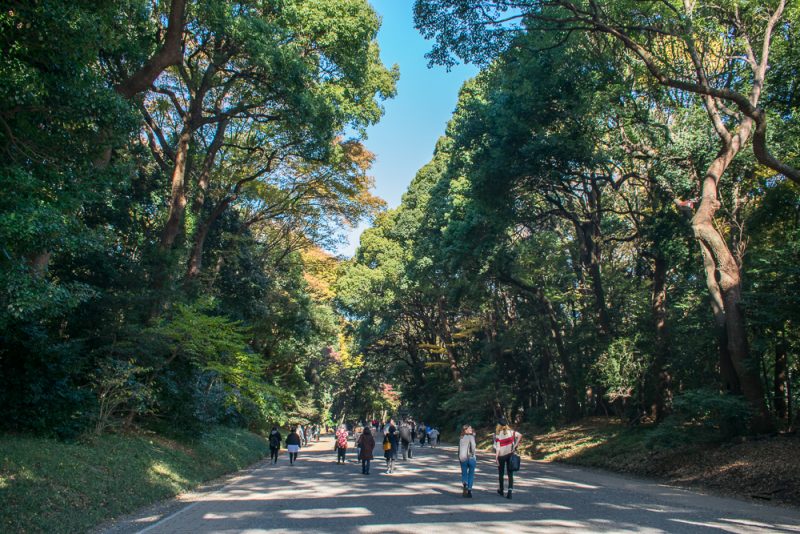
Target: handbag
387, 445
514, 463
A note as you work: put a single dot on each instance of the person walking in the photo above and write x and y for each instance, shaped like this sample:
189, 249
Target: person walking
293, 442
467, 458
357, 432
341, 444
275, 439
506, 441
433, 437
366, 447
423, 433
405, 439
394, 445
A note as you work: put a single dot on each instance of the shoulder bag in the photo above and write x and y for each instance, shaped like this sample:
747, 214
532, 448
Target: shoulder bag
514, 463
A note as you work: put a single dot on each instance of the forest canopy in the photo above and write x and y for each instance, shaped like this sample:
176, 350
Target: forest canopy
610, 224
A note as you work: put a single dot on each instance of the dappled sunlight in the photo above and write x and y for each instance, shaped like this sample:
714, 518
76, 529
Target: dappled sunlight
721, 524
424, 495
563, 483
321, 513
160, 472
484, 508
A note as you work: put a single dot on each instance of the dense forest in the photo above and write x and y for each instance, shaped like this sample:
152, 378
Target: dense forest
610, 226
171, 174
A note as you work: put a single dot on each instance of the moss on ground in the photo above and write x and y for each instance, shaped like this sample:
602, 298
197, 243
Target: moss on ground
52, 486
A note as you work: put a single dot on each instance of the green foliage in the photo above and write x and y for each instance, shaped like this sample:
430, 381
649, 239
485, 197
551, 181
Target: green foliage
102, 324
52, 486
701, 416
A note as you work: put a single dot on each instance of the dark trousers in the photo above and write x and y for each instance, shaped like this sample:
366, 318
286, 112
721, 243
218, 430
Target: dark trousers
365, 466
273, 453
340, 453
292, 457
504, 464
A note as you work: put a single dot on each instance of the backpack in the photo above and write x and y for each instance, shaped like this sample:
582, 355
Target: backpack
341, 440
275, 440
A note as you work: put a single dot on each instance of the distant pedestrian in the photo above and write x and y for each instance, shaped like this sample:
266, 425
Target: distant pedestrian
433, 437
406, 439
366, 447
341, 444
506, 441
293, 442
423, 433
275, 439
467, 458
393, 438
357, 432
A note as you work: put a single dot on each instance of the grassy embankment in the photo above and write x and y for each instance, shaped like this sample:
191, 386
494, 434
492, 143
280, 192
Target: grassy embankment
52, 486
765, 468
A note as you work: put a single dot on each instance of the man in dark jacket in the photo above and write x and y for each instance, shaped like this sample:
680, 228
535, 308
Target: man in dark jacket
274, 444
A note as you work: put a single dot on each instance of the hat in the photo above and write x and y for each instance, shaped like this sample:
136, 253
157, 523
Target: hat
502, 421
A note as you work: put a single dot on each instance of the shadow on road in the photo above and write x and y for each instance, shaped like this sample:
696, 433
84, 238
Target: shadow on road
424, 495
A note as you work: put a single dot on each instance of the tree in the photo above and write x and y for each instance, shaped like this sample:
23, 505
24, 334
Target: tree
697, 50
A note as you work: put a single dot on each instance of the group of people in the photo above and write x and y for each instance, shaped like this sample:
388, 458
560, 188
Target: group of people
296, 438
506, 441
400, 438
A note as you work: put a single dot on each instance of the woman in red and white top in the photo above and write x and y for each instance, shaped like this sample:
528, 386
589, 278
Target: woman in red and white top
506, 441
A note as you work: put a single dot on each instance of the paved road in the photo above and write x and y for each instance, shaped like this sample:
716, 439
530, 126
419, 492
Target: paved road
317, 495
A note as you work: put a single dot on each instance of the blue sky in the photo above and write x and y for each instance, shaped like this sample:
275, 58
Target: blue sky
404, 139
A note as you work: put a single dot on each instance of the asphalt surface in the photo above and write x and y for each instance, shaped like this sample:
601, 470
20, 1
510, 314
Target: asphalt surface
424, 495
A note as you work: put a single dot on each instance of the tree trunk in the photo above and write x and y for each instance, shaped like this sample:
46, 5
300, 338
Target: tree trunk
661, 379
170, 53
781, 366
447, 341
177, 204
571, 391
196, 256
723, 279
588, 234
208, 165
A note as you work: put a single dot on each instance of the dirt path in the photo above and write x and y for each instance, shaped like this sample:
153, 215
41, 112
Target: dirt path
424, 495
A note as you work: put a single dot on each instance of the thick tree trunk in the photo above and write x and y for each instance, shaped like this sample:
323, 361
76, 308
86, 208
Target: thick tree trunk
723, 279
661, 379
177, 203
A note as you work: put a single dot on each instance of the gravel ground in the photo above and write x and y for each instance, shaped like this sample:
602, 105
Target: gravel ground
424, 495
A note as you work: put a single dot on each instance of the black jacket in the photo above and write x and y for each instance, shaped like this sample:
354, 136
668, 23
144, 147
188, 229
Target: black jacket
293, 439
275, 439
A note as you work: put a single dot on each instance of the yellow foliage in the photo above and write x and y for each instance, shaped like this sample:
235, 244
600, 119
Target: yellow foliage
319, 271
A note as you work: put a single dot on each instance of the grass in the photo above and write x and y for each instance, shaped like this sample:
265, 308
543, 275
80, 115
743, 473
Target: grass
52, 486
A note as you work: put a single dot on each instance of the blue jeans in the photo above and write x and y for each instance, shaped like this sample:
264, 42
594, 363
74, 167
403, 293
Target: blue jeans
468, 472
